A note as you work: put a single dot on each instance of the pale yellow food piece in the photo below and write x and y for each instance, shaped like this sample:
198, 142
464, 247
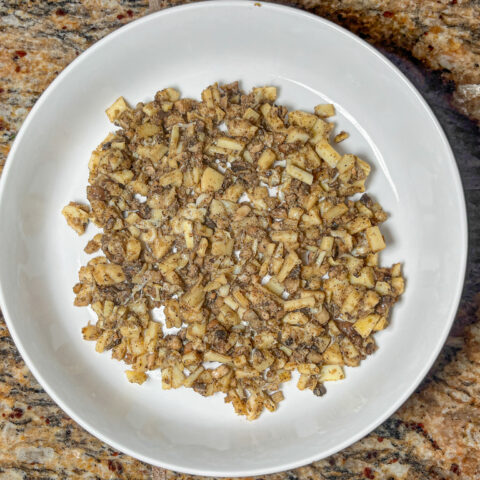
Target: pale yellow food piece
266, 159
331, 373
320, 130
297, 135
178, 377
326, 243
365, 278
332, 355
351, 301
194, 297
122, 176
302, 383
381, 324
134, 248
308, 368
167, 378
174, 178
284, 236
341, 137
299, 303
346, 162
375, 239
291, 261
359, 224
398, 284
295, 318
147, 130
275, 286
241, 128
299, 174
136, 377
327, 153
302, 119
108, 274
268, 94
365, 325
396, 270
193, 377
230, 144
383, 288
211, 180
251, 115
77, 216
222, 246
325, 110
336, 211
117, 107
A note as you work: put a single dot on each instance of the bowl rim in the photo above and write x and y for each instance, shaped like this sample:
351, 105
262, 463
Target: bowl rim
463, 228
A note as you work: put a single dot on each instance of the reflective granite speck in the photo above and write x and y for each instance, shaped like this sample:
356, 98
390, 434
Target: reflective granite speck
436, 434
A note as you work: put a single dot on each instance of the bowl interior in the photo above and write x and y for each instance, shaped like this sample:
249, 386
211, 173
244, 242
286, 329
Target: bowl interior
311, 61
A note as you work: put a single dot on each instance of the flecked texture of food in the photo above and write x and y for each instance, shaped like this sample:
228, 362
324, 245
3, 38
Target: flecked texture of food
233, 215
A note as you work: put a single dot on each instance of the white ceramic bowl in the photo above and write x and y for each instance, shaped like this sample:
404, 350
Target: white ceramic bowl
311, 60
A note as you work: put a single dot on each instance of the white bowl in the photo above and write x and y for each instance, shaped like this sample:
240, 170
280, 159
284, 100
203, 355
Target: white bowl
311, 60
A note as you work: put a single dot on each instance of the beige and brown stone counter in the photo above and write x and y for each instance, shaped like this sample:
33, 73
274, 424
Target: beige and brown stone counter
436, 434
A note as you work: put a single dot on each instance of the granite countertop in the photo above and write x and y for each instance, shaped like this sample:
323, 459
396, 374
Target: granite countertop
436, 433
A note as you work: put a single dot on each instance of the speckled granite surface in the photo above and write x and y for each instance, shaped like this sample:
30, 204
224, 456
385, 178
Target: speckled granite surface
436, 434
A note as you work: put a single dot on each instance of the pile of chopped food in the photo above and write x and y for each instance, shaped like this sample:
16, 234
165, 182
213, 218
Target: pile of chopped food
233, 216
